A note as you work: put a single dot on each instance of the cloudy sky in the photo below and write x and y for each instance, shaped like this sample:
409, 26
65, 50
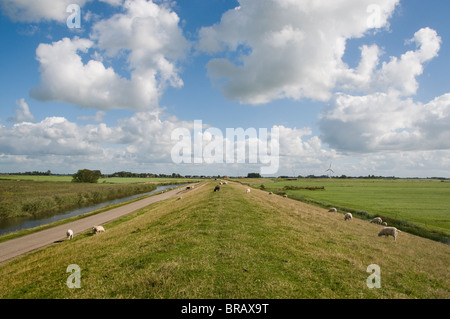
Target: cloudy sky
361, 85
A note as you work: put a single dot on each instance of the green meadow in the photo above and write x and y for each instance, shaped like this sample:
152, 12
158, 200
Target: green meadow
230, 244
420, 205
103, 180
32, 196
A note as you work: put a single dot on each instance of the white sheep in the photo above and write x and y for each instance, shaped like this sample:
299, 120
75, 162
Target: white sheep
389, 231
270, 193
248, 190
348, 216
384, 223
69, 233
179, 198
98, 229
285, 196
332, 210
377, 220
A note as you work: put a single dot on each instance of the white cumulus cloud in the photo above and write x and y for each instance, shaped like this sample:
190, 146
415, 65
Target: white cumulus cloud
23, 113
147, 34
66, 78
399, 74
285, 48
385, 122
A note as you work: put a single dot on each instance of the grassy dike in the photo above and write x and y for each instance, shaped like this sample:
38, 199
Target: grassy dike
230, 244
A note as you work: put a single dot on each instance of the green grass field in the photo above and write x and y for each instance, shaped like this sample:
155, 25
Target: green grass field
109, 180
230, 244
31, 196
425, 203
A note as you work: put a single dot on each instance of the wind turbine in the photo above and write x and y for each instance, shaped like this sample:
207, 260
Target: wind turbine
329, 170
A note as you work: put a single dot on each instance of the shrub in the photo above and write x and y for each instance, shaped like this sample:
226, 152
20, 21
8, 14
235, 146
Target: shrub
86, 176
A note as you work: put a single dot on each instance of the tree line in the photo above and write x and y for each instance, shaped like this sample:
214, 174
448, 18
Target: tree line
92, 176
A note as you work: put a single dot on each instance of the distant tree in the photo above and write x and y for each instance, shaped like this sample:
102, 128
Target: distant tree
254, 175
86, 176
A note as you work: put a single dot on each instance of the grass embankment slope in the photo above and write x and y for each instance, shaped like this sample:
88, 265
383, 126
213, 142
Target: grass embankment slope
230, 244
417, 205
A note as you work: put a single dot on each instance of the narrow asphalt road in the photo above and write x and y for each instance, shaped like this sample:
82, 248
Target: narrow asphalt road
22, 245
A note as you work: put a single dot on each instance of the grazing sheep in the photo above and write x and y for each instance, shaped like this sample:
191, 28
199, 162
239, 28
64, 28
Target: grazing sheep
248, 190
332, 210
217, 188
384, 223
377, 220
285, 196
348, 216
69, 233
179, 198
389, 231
270, 193
97, 229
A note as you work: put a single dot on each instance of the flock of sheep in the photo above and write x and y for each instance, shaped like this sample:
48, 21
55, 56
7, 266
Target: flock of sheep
386, 231
95, 230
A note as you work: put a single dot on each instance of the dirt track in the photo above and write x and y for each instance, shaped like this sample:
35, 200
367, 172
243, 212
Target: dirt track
22, 245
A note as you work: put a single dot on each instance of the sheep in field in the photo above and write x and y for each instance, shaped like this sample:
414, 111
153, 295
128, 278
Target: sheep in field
389, 231
217, 188
248, 190
69, 233
332, 210
285, 196
384, 223
270, 193
377, 220
179, 198
348, 216
98, 229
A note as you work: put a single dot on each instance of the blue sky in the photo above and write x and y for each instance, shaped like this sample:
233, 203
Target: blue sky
362, 85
